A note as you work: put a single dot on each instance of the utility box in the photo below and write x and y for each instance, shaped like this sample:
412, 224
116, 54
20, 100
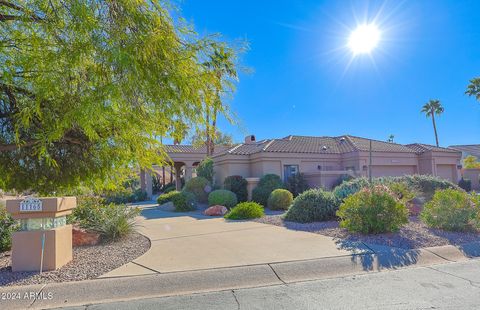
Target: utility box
44, 241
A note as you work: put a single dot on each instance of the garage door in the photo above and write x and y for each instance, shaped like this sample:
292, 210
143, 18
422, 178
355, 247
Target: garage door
445, 172
392, 171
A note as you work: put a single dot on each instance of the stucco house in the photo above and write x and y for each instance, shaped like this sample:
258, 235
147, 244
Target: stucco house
323, 160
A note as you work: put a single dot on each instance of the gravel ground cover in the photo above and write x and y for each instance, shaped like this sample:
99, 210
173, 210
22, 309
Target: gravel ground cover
89, 262
411, 236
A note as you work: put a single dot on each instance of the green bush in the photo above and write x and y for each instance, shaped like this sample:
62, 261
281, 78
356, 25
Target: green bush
245, 210
125, 195
401, 191
312, 206
200, 187
114, 221
169, 188
7, 226
222, 197
341, 179
184, 202
297, 184
424, 185
205, 169
372, 210
449, 209
268, 183
348, 188
465, 184
164, 198
87, 212
238, 185
280, 199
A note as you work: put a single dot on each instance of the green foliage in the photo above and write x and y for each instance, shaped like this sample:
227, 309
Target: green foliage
401, 191
7, 227
126, 195
297, 184
222, 197
200, 187
111, 221
205, 169
424, 185
268, 183
348, 188
471, 162
115, 221
184, 202
87, 86
449, 209
465, 184
372, 210
164, 198
312, 206
238, 185
341, 179
280, 199
245, 211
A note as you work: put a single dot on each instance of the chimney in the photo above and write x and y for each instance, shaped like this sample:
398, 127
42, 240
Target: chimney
250, 139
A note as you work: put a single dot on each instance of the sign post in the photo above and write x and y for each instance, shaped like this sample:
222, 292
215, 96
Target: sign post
44, 241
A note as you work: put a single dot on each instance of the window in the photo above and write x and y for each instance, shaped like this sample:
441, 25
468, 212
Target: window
288, 171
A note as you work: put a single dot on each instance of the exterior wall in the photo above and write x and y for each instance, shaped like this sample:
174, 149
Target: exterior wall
473, 175
333, 166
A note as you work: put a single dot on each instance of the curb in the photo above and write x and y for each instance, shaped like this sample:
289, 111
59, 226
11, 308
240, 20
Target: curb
103, 290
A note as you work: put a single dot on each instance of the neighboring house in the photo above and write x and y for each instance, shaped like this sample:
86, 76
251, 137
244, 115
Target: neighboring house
323, 160
467, 150
471, 174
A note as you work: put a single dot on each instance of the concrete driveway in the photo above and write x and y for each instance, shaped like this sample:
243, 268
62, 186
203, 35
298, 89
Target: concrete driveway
192, 241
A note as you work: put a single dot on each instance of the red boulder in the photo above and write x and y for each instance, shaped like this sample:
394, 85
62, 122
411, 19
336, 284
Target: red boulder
216, 211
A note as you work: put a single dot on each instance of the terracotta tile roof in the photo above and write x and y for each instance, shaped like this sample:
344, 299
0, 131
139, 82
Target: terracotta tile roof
363, 144
317, 145
179, 148
421, 148
470, 149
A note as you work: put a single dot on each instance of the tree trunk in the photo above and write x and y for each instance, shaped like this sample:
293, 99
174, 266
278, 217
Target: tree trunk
434, 127
207, 129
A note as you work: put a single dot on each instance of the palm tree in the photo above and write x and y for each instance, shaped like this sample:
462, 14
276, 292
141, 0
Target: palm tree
432, 108
222, 64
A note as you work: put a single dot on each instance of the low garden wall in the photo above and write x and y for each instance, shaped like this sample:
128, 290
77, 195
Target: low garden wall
473, 175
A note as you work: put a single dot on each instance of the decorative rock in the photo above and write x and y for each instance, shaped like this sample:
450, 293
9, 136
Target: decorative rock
81, 237
216, 210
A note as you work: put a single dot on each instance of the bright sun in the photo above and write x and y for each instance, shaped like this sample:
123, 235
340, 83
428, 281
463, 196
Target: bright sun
364, 39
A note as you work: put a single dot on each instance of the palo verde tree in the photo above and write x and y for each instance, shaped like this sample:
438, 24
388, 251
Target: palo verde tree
87, 87
432, 108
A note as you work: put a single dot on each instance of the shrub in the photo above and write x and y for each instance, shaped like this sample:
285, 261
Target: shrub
7, 227
114, 221
280, 199
341, 179
245, 210
349, 188
164, 198
268, 183
297, 184
222, 197
87, 211
465, 184
238, 185
449, 209
169, 188
401, 191
311, 206
372, 210
200, 187
125, 195
205, 169
424, 185
184, 202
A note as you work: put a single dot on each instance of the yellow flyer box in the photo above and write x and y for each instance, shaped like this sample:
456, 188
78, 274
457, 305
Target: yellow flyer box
44, 241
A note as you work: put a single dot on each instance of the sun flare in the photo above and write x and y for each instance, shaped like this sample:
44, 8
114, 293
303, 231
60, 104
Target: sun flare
364, 39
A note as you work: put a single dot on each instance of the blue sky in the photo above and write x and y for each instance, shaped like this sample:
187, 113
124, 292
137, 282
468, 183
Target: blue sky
305, 82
